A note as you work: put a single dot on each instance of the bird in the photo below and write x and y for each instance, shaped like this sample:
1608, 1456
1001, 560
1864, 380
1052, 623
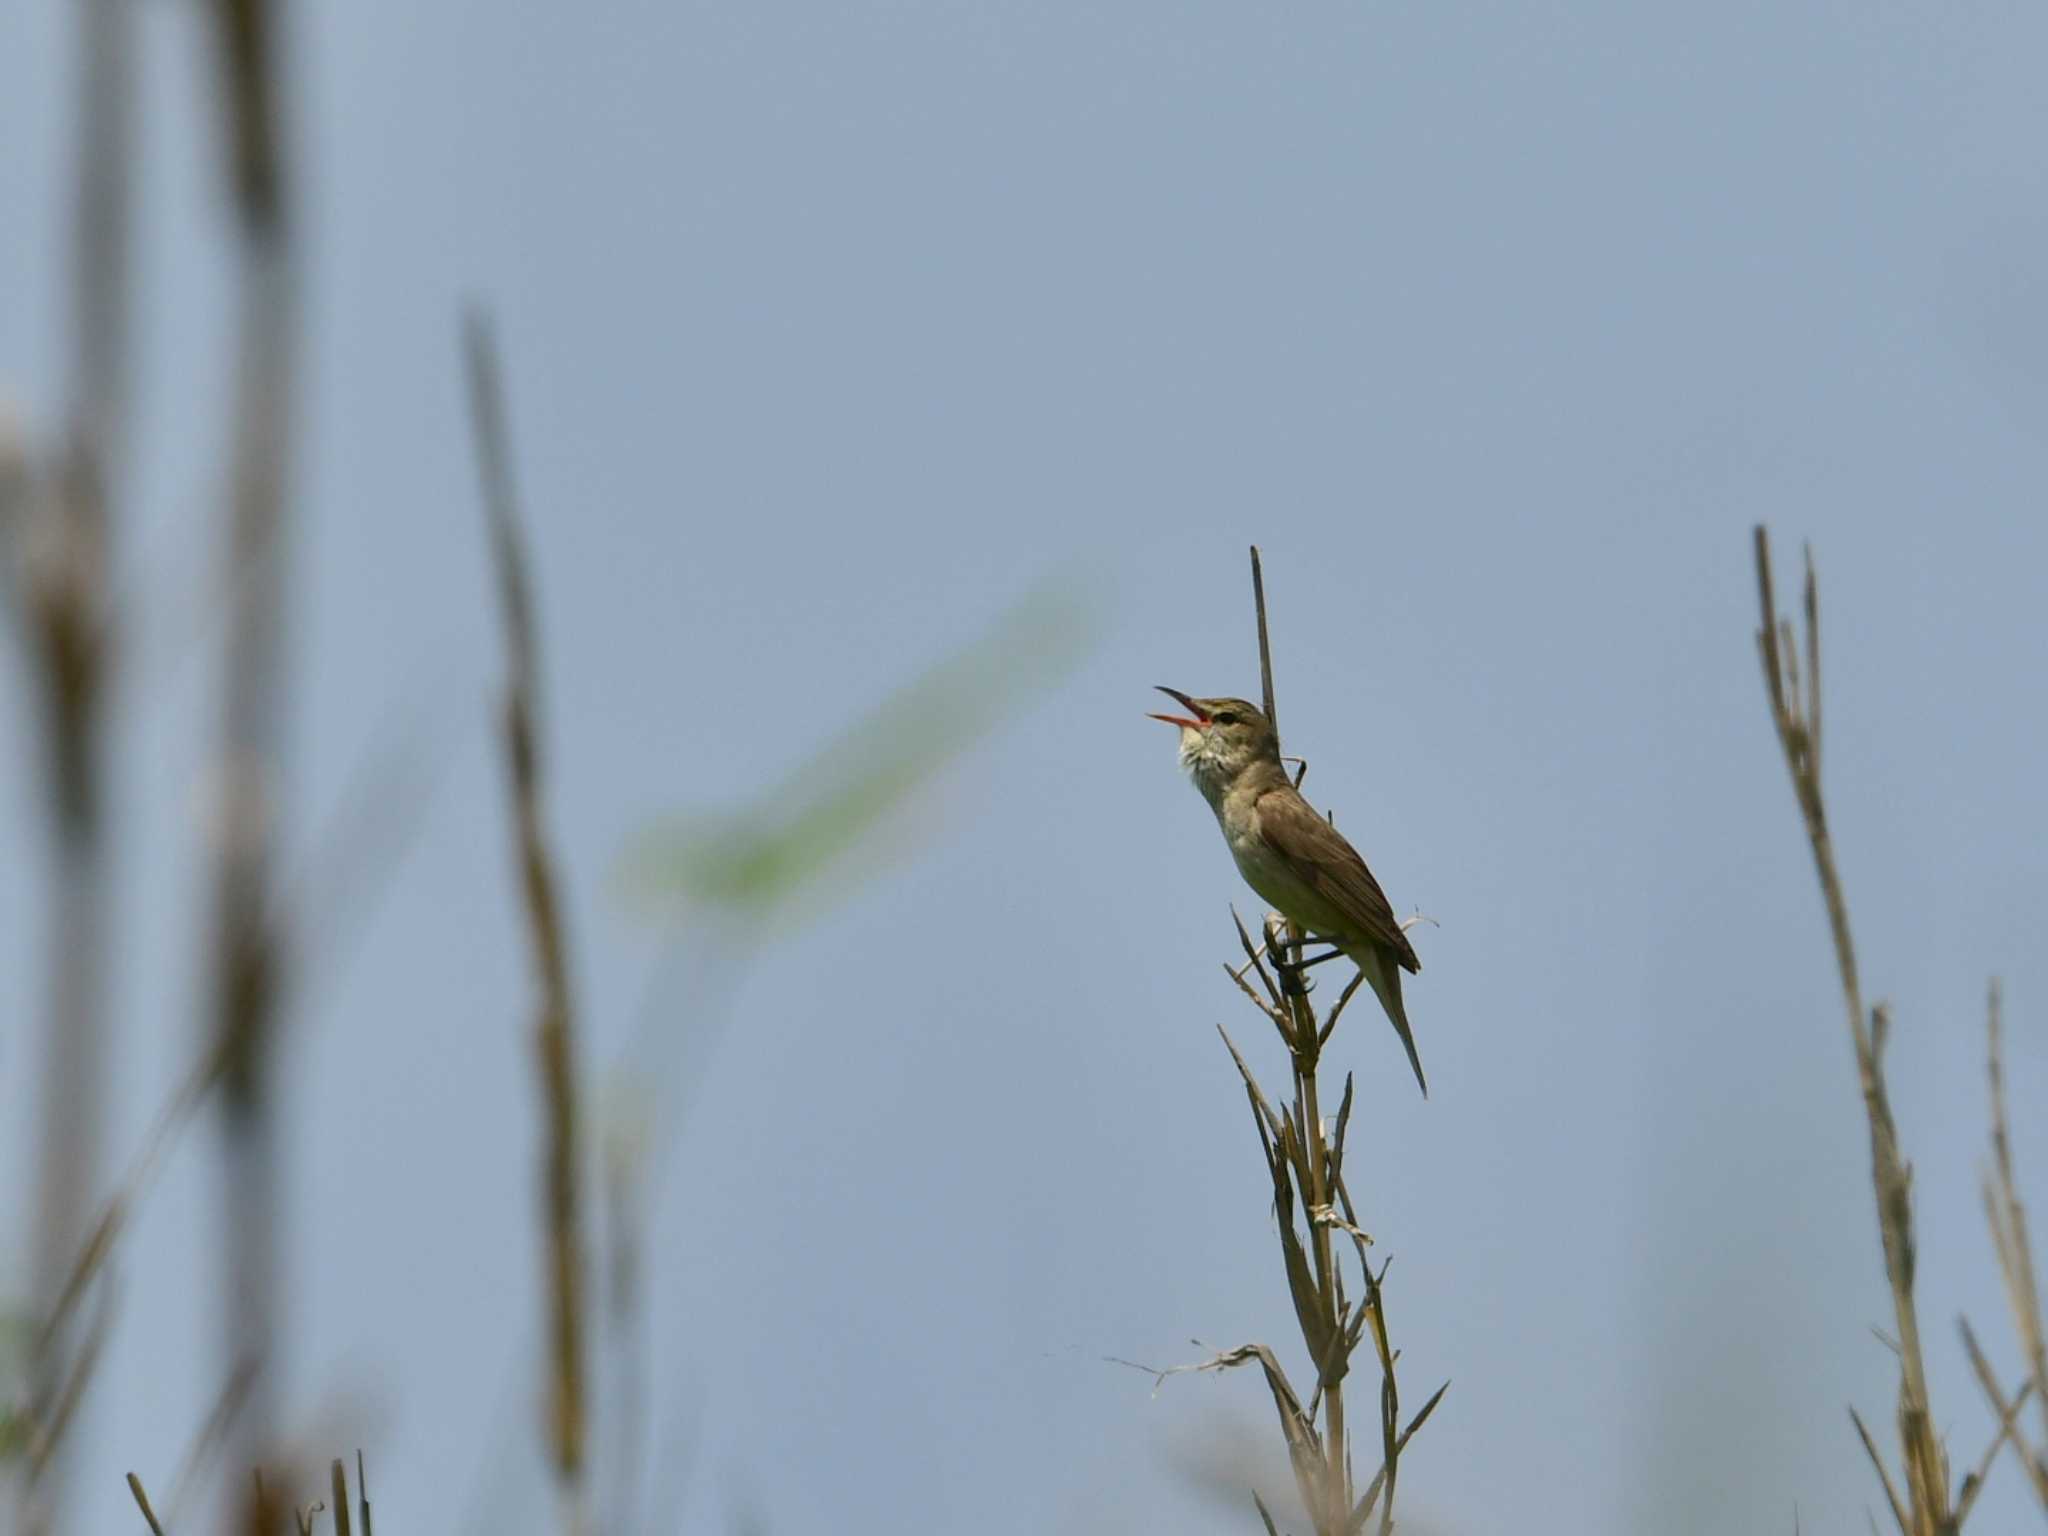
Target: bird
1288, 853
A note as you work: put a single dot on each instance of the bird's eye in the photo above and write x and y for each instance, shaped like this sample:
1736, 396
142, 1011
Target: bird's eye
1228, 717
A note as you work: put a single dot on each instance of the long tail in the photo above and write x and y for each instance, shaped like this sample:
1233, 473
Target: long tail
1384, 977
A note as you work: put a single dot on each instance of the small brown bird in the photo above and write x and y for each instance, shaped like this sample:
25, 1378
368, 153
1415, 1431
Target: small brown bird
1289, 854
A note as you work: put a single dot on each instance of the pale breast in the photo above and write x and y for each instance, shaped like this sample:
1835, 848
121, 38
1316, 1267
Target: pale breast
1269, 874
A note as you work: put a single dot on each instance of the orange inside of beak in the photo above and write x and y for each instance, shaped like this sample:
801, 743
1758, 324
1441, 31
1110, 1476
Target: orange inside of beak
1180, 720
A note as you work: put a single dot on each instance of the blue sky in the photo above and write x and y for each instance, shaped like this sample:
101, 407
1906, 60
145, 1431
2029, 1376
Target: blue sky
833, 329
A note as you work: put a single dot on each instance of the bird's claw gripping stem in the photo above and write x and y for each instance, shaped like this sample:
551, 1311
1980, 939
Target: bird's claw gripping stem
1293, 966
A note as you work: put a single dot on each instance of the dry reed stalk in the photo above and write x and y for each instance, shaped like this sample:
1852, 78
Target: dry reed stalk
363, 1496
2007, 1411
106, 1229
2007, 1219
142, 1502
1305, 1160
206, 1442
554, 1026
1924, 1507
246, 966
56, 529
339, 1508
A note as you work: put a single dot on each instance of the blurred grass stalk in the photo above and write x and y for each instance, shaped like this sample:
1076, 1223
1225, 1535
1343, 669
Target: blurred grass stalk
554, 1038
56, 540
751, 875
2007, 1218
246, 982
1305, 1160
55, 543
1926, 1506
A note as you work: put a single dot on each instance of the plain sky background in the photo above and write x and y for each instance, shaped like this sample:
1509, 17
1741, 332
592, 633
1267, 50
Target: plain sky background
833, 327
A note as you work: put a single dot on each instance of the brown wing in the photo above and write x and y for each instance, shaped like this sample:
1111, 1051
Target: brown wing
1319, 854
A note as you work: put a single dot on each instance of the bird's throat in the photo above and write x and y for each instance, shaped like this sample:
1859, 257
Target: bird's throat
1212, 776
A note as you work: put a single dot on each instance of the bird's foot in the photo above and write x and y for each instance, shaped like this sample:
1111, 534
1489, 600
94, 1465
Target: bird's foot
1293, 965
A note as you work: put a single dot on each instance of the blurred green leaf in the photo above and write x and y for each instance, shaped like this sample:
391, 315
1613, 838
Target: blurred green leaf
17, 1337
784, 847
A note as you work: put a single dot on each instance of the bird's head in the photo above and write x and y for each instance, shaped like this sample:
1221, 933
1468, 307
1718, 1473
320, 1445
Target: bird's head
1220, 738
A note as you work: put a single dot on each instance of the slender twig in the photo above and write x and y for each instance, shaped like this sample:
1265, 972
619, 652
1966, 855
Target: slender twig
1262, 1111
61, 562
1343, 1129
2007, 1412
49, 1431
1906, 1527
1335, 1495
1309, 1115
207, 1442
1371, 1495
2007, 1218
339, 1474
1337, 1011
1391, 1441
2008, 1418
248, 964
1265, 650
554, 1028
1254, 957
106, 1229
1272, 1014
1795, 712
363, 1495
363, 847
142, 1503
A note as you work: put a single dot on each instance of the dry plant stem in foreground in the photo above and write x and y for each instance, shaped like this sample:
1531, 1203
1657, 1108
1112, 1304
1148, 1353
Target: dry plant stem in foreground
265, 1512
246, 968
55, 556
2007, 1218
554, 1039
1305, 1159
1797, 716
1924, 1508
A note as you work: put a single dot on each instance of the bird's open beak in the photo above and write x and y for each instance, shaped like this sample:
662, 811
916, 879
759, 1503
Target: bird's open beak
1200, 719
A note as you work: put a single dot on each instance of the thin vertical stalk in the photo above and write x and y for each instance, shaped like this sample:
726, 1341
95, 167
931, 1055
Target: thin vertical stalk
554, 1024
1796, 714
1305, 1053
245, 980
2006, 1215
1309, 1107
1265, 645
65, 570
